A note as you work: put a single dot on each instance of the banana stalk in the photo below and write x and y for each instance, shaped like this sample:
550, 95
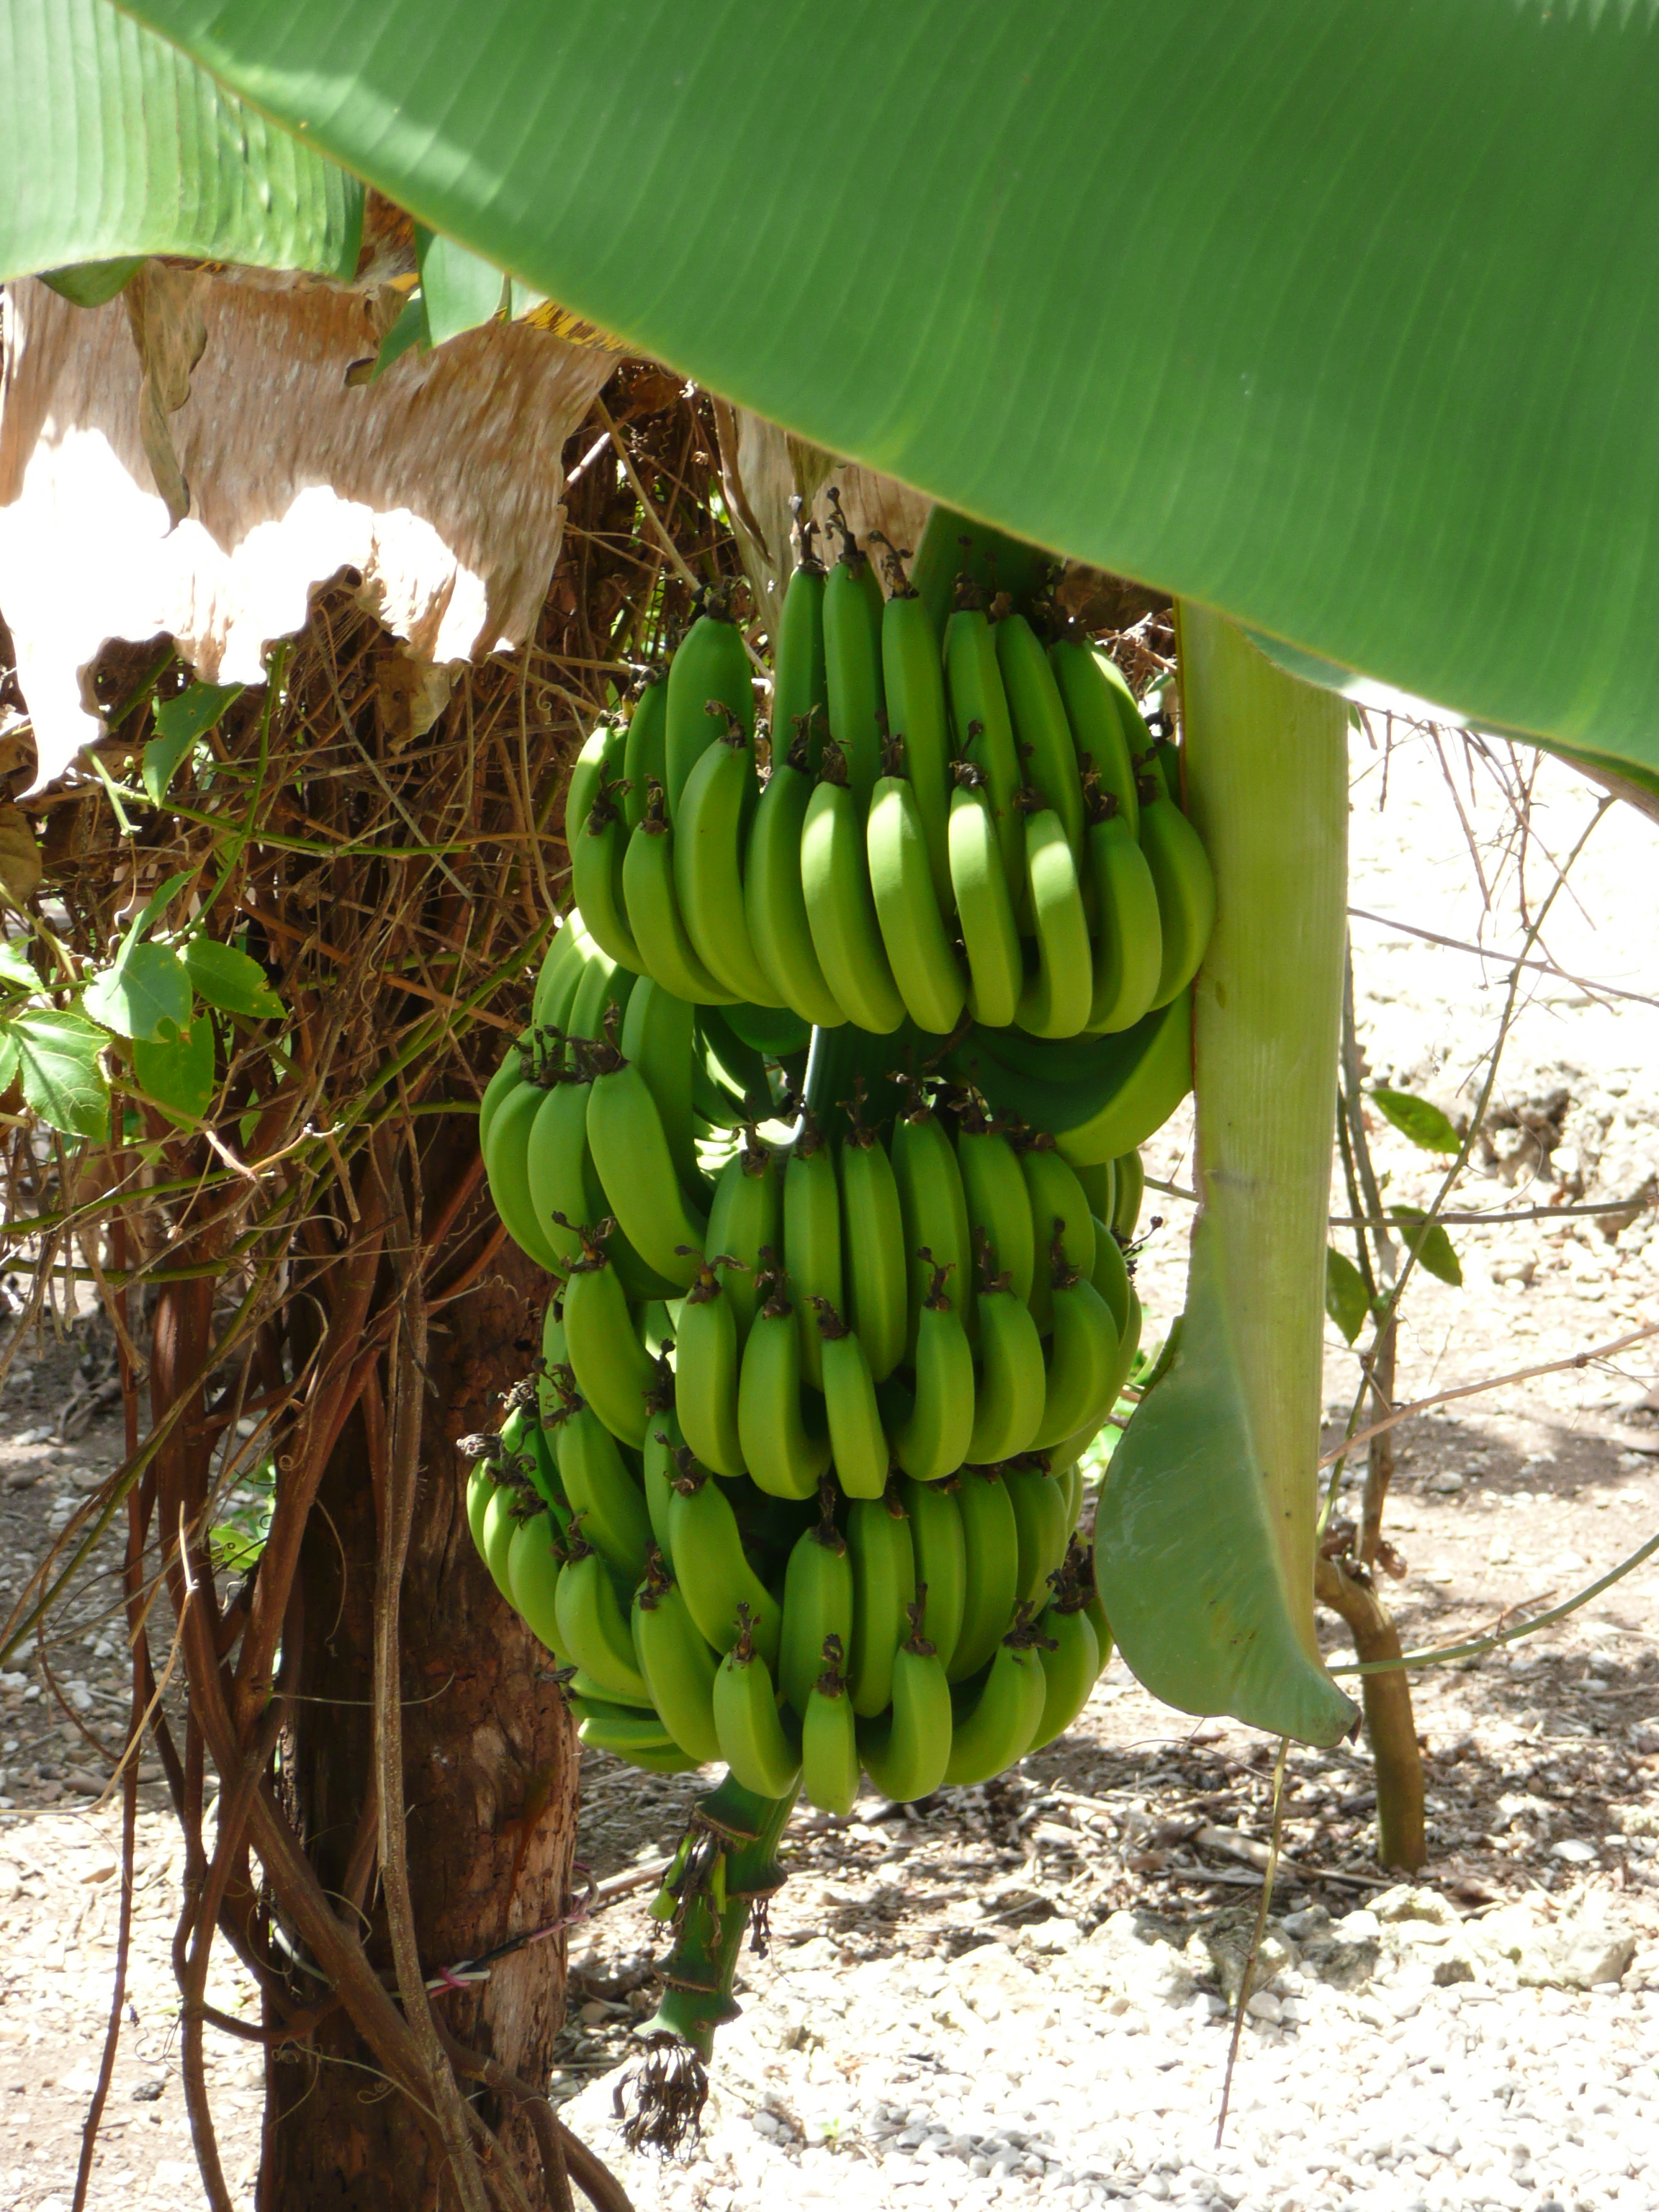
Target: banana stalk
733, 1825
1204, 1542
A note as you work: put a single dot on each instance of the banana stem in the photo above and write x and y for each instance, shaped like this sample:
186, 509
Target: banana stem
702, 1964
1266, 764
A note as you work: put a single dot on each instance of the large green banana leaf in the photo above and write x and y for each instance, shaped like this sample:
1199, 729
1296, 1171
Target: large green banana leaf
1337, 315
114, 146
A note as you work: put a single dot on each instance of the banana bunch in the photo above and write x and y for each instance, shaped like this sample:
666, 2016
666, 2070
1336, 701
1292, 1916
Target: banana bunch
945, 1292
932, 1634
978, 827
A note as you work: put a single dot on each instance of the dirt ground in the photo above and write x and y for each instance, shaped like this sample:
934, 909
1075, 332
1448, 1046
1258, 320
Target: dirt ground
1543, 1763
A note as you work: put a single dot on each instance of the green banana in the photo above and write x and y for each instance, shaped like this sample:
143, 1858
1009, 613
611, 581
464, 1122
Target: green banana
1042, 734
560, 973
582, 1685
828, 1737
1040, 1502
1128, 949
1100, 1188
507, 1078
883, 1586
1013, 1380
708, 679
1099, 729
706, 1373
932, 1439
599, 762
841, 909
925, 966
534, 1563
592, 1625
994, 1191
710, 822
984, 904
851, 661
1083, 1359
645, 747
753, 1741
774, 902
653, 910
995, 1728
1057, 996
1057, 1202
745, 1219
711, 1566
663, 1438
599, 1486
984, 734
596, 878
858, 1442
817, 1602
990, 1551
1072, 1667
659, 1036
1099, 1097
630, 1733
614, 1371
933, 1208
799, 686
604, 983
1072, 1480
502, 1513
480, 1489
1095, 1609
1110, 1276
811, 1236
1183, 879
677, 1662
559, 1172
737, 1066
941, 1558
912, 676
786, 1458
505, 1151
1130, 1187
873, 1246
906, 1752
635, 1165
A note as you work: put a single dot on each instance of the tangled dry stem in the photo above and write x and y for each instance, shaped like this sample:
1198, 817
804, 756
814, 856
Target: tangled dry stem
276, 1265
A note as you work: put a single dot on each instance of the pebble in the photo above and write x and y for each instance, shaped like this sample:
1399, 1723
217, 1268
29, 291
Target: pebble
1092, 2075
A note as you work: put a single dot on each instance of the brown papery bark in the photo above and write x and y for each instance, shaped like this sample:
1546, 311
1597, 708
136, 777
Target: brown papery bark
485, 1737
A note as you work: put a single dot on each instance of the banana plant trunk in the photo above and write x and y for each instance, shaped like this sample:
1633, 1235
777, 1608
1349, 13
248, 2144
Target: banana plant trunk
490, 1776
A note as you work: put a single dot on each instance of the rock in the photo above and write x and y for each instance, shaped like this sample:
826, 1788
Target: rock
1059, 1935
1575, 1852
1587, 1944
1445, 1484
992, 1982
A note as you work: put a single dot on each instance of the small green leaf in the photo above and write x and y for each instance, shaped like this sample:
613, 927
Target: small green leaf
145, 993
1347, 1299
231, 980
178, 1075
15, 966
409, 329
63, 1083
156, 904
461, 289
8, 1059
179, 723
1429, 1242
93, 284
1426, 1125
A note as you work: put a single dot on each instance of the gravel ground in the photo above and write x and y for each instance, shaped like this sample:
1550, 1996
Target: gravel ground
1021, 1990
